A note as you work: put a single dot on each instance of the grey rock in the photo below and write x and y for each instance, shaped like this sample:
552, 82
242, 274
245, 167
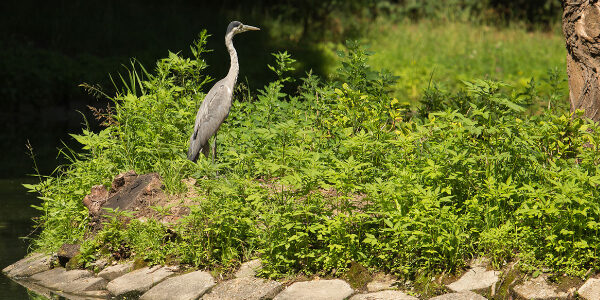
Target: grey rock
538, 288
188, 286
112, 272
466, 295
31, 257
91, 295
74, 281
100, 264
245, 288
56, 276
103, 294
67, 252
380, 284
48, 293
46, 275
8, 268
138, 281
590, 290
249, 269
475, 279
384, 295
316, 290
28, 266
479, 262
82, 285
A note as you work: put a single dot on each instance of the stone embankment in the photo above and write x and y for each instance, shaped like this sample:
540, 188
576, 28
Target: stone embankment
165, 282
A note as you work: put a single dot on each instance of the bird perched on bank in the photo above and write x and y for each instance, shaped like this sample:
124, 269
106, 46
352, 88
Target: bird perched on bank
215, 107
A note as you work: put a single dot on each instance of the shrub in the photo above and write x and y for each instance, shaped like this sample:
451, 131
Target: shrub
339, 173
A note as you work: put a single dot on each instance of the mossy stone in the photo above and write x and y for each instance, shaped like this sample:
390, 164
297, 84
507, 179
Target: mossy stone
73, 263
139, 263
358, 276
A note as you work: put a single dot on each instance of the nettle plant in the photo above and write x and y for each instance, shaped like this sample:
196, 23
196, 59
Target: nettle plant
339, 171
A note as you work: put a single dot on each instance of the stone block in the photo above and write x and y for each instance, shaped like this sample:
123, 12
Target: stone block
477, 278
74, 281
112, 272
249, 269
466, 295
538, 288
246, 288
590, 290
138, 281
317, 290
28, 266
384, 295
188, 286
381, 282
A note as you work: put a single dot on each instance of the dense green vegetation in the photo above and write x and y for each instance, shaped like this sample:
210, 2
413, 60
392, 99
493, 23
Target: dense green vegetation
340, 171
49, 48
450, 52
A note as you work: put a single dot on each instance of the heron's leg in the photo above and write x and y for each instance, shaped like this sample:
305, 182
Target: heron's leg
214, 153
205, 150
214, 149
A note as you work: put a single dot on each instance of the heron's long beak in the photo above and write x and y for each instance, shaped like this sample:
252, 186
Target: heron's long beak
248, 27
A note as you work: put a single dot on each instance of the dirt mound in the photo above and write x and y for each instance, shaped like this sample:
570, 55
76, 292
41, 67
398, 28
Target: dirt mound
141, 194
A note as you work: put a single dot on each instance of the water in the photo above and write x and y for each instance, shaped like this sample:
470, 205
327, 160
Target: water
15, 222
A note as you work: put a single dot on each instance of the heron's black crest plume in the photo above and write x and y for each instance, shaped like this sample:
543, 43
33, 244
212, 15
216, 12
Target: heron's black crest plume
232, 25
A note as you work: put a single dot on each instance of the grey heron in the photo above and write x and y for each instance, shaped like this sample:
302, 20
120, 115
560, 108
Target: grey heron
216, 104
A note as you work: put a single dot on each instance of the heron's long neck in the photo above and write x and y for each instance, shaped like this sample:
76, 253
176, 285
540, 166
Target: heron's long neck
234, 67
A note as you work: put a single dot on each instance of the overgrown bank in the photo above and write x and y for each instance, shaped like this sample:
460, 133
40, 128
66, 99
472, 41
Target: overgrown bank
341, 172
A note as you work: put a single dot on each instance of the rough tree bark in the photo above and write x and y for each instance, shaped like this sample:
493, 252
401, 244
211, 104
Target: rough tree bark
581, 27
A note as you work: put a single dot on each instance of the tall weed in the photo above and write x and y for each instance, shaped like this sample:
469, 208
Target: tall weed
341, 172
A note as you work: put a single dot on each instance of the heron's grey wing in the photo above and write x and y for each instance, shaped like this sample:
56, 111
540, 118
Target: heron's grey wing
207, 122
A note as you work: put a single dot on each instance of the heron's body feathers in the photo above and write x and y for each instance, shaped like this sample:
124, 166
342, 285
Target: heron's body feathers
213, 111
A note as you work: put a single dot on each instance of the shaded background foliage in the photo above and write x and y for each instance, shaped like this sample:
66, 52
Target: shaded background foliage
49, 48
538, 12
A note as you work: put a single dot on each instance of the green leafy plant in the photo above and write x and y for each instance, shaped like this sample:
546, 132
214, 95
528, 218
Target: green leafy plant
340, 172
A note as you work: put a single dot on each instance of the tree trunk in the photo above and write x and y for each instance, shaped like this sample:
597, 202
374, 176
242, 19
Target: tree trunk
581, 27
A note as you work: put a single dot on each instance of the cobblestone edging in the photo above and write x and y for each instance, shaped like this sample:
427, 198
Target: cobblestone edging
164, 282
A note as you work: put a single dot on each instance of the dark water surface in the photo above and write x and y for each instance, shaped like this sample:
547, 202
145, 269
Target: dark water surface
15, 223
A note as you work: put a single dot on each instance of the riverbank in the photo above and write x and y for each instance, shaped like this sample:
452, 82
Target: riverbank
126, 280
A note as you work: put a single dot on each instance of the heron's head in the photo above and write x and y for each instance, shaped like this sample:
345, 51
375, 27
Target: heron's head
236, 27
